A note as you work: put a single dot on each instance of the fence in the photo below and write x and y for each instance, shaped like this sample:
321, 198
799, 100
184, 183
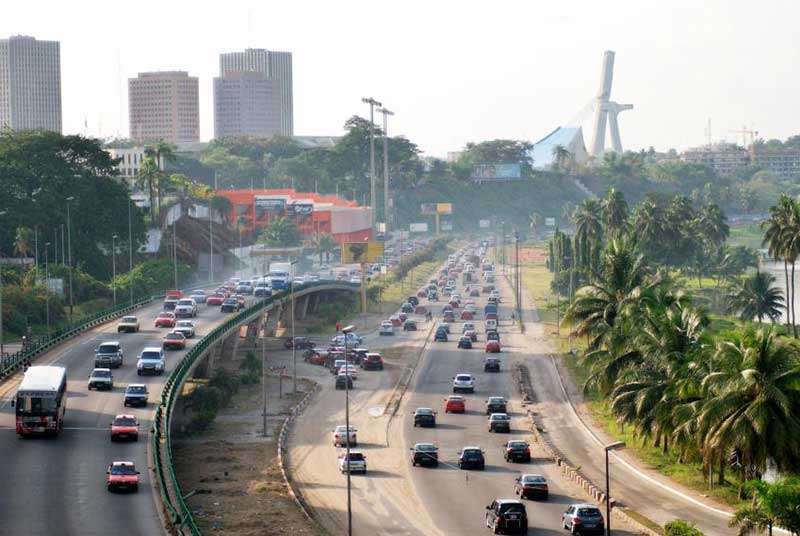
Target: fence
177, 510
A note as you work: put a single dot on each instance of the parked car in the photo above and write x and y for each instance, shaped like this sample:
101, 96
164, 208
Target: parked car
425, 417
128, 324
471, 458
424, 454
583, 519
108, 355
507, 516
531, 486
495, 404
301, 343
517, 451
454, 404
499, 422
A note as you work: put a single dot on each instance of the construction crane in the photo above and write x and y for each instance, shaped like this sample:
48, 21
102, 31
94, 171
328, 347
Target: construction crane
745, 132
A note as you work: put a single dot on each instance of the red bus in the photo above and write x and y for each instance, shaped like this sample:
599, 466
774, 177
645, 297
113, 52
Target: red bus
41, 401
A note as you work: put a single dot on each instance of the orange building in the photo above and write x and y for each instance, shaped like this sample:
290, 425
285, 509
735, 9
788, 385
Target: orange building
313, 213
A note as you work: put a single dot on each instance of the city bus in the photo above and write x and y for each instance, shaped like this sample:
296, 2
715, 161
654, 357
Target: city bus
41, 401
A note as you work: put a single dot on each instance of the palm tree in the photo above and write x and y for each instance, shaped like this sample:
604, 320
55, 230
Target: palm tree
756, 517
281, 231
756, 297
161, 152
324, 245
561, 156
622, 280
615, 211
588, 229
147, 177
22, 241
777, 229
752, 404
713, 225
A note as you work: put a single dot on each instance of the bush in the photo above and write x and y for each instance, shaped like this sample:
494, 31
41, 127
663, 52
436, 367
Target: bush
26, 306
202, 420
678, 527
152, 277
227, 383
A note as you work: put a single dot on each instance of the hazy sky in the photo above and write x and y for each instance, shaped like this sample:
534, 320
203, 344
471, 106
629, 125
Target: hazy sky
452, 71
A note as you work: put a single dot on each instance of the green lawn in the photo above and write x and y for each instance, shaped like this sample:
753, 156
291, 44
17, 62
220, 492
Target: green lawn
749, 235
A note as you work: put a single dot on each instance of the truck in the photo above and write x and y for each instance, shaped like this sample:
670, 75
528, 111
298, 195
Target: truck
279, 275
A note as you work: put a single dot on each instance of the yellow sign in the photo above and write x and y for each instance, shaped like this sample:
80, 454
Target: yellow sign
360, 252
444, 208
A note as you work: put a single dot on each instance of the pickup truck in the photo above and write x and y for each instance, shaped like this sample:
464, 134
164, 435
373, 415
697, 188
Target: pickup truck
108, 355
358, 462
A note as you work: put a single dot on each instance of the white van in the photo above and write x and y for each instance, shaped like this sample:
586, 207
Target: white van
491, 324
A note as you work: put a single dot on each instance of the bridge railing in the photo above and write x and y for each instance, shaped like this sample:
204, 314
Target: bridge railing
170, 489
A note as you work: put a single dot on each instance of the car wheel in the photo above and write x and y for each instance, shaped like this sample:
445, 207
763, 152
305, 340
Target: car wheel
413, 463
138, 372
110, 488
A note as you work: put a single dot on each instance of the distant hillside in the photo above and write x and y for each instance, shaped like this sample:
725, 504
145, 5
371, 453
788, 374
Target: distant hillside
513, 201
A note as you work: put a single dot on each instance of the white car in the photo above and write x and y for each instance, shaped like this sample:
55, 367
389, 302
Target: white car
186, 307
129, 324
340, 436
349, 369
386, 328
186, 327
358, 462
463, 383
151, 361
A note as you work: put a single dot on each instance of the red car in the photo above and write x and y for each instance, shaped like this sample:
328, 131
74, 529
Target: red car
467, 315
165, 320
215, 299
174, 341
455, 404
395, 320
176, 294
125, 427
420, 310
492, 347
122, 475
422, 294
402, 316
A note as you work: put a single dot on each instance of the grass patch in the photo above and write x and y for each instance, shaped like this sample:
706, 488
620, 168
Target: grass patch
749, 235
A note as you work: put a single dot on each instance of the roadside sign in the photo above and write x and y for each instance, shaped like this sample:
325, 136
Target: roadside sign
484, 224
360, 252
418, 227
550, 222
444, 208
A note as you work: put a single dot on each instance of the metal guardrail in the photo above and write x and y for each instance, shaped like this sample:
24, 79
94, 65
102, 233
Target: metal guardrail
11, 363
179, 514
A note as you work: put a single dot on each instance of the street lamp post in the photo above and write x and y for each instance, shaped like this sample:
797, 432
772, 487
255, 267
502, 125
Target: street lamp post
69, 258
372, 193
264, 370
346, 331
2, 213
211, 242
386, 214
175, 250
613, 446
294, 342
47, 287
130, 247
114, 267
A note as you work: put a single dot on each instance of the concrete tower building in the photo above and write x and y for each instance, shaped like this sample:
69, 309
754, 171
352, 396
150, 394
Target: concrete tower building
274, 66
606, 111
164, 105
246, 104
30, 84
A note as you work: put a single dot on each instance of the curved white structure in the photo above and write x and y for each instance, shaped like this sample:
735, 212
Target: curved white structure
606, 111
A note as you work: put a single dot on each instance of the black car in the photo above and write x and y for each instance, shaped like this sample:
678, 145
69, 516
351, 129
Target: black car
491, 364
344, 381
413, 300
499, 422
495, 404
409, 325
441, 334
425, 417
492, 335
465, 343
517, 451
507, 516
471, 458
230, 305
407, 308
301, 343
424, 454
135, 395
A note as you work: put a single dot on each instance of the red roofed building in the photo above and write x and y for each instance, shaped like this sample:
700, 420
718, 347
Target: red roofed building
313, 213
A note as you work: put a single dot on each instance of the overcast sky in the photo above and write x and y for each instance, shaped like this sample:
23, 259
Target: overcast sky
452, 71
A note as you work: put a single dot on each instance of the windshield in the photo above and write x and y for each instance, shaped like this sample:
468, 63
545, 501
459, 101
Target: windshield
463, 378
129, 319
472, 454
101, 374
500, 417
426, 448
356, 457
28, 405
123, 470
151, 356
497, 400
424, 411
534, 479
512, 507
107, 349
588, 512
184, 324
174, 336
136, 390
124, 421
517, 445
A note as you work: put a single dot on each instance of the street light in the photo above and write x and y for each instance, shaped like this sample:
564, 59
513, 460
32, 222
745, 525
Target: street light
2, 213
346, 331
372, 103
47, 287
294, 342
385, 113
130, 247
114, 267
69, 257
613, 446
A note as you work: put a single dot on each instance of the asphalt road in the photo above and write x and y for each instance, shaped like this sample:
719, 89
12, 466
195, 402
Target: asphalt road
57, 486
395, 499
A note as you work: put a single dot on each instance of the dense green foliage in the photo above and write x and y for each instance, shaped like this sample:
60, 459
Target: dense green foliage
678, 527
774, 505
281, 232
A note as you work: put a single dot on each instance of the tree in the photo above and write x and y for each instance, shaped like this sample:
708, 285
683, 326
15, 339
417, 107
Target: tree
756, 297
535, 220
780, 237
281, 231
161, 152
615, 211
773, 504
679, 527
561, 157
222, 205
148, 177
23, 242
752, 404
324, 244
500, 151
588, 231
713, 225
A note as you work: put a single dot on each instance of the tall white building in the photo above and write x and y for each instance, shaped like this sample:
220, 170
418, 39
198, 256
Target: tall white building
246, 104
30, 84
275, 66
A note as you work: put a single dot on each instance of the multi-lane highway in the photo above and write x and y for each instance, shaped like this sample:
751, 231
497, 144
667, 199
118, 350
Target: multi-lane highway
396, 498
57, 486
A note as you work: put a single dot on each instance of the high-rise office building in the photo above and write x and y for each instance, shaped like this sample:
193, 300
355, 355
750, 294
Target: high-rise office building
164, 105
30, 84
276, 66
246, 104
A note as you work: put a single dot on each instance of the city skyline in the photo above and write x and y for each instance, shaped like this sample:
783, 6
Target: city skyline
500, 73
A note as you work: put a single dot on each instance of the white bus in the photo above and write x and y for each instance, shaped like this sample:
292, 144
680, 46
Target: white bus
41, 401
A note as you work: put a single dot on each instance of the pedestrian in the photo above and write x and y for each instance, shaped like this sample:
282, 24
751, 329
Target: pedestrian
338, 326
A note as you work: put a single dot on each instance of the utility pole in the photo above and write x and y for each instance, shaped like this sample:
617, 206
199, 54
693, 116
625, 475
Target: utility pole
114, 267
386, 207
211, 243
69, 258
372, 192
130, 247
264, 370
2, 213
175, 250
294, 342
47, 287
346, 331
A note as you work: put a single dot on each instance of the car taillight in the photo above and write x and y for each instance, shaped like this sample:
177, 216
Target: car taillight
527, 450
576, 521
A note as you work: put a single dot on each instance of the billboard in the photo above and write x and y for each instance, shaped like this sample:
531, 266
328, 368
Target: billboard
266, 204
300, 209
427, 209
550, 222
418, 227
447, 225
484, 224
444, 208
360, 252
496, 172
